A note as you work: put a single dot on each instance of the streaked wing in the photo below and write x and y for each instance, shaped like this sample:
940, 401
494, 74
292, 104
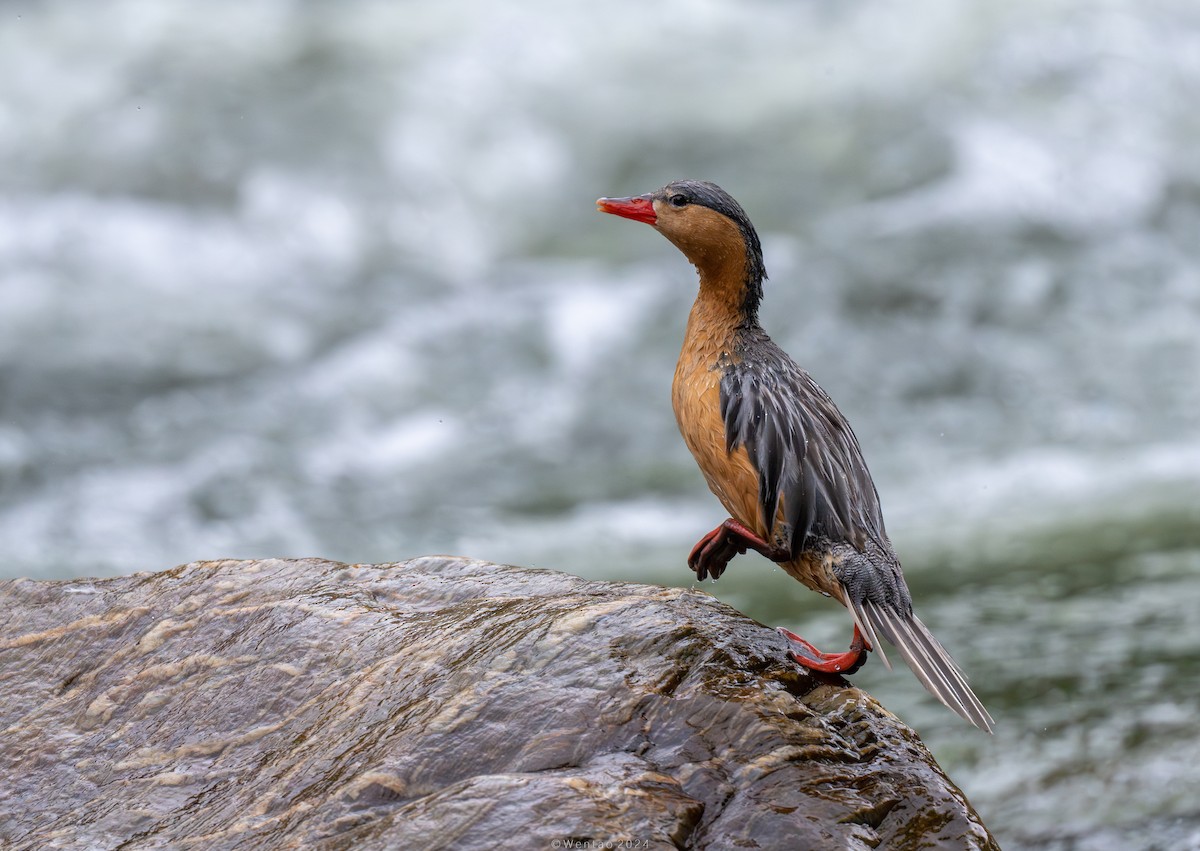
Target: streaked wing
807, 458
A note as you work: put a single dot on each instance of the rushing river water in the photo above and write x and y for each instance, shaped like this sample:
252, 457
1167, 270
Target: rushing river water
303, 278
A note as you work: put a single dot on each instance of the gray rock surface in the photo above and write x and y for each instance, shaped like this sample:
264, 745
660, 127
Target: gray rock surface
435, 703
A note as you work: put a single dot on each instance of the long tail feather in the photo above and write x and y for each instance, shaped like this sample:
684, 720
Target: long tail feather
867, 628
934, 667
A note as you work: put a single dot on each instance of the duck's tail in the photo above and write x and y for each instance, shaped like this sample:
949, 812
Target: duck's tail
934, 667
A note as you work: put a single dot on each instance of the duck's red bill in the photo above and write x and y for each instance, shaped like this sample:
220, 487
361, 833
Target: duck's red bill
640, 209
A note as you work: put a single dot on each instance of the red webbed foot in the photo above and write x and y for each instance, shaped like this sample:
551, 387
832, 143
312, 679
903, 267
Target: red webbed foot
810, 657
714, 551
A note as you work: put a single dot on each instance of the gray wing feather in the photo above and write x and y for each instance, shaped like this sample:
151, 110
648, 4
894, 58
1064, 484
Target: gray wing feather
804, 451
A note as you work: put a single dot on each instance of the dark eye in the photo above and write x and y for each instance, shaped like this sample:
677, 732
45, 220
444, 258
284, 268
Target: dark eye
678, 200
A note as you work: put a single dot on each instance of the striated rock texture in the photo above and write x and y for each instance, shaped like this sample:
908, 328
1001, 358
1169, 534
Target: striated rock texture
435, 703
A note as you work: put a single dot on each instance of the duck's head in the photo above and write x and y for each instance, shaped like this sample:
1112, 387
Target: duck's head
709, 227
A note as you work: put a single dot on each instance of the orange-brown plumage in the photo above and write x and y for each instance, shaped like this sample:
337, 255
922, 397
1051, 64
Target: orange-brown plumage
777, 452
695, 396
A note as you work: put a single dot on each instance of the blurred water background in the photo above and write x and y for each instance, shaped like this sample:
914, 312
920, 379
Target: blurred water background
304, 278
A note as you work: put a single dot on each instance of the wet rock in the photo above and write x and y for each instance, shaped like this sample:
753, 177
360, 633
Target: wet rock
435, 703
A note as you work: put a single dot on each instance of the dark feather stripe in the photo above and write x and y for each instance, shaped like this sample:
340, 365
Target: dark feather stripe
801, 446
